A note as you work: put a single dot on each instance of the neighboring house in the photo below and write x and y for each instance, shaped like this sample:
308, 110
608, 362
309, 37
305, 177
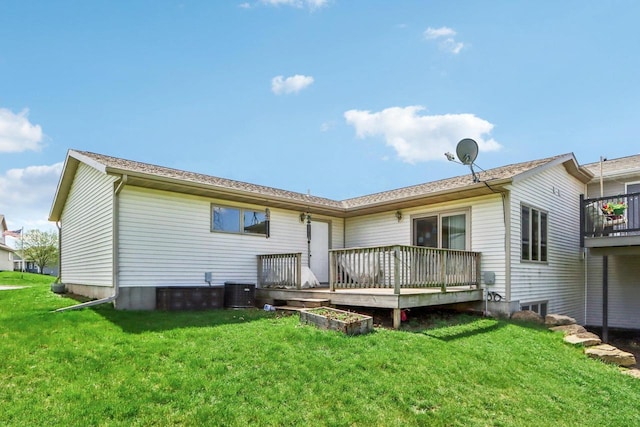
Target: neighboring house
32, 267
129, 227
613, 242
6, 252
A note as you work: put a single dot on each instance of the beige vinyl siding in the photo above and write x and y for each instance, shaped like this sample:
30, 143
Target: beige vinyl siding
487, 230
611, 188
560, 280
165, 239
87, 229
624, 291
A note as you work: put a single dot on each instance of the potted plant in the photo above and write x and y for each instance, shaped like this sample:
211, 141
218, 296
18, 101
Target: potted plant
614, 208
58, 287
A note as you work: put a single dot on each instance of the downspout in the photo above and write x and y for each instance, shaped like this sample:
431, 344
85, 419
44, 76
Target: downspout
116, 287
59, 278
506, 211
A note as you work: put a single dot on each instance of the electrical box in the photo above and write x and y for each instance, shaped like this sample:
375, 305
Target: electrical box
489, 278
208, 277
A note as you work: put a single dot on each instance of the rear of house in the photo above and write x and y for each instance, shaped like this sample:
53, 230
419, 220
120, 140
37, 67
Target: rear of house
129, 228
526, 227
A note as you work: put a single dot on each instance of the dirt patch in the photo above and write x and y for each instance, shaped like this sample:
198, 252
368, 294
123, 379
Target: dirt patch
414, 319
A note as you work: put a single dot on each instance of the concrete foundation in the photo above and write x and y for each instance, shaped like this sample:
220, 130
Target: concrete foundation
140, 298
93, 292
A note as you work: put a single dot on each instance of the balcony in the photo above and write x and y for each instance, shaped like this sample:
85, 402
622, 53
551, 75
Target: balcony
611, 224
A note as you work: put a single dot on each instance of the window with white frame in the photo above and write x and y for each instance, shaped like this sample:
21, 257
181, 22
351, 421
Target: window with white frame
447, 231
534, 225
239, 220
539, 307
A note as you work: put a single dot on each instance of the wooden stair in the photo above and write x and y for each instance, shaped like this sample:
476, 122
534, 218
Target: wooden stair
297, 304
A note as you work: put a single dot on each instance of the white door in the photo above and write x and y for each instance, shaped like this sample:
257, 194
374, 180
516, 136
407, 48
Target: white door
319, 262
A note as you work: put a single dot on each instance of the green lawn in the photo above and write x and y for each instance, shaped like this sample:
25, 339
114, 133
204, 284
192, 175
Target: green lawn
248, 367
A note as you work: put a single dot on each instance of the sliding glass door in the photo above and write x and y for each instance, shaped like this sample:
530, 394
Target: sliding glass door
447, 231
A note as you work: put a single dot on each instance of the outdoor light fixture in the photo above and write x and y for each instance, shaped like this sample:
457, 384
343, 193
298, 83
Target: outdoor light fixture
399, 215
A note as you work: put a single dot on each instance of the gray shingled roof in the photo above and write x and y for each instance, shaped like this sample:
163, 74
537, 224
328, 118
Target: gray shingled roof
630, 164
426, 189
161, 171
449, 184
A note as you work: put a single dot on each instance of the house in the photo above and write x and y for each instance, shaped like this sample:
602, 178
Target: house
6, 252
128, 228
31, 267
612, 241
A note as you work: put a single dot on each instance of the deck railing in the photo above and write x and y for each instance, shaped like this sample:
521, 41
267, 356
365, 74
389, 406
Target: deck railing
401, 266
610, 216
280, 270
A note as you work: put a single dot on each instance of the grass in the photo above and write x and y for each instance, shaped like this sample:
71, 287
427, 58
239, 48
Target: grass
249, 367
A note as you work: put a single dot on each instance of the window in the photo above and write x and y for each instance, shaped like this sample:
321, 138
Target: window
537, 307
239, 220
452, 235
534, 234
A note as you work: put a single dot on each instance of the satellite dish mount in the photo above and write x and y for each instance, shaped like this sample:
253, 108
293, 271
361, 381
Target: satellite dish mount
467, 152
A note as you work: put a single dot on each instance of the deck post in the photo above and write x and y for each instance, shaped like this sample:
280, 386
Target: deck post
332, 271
605, 299
396, 275
397, 318
443, 274
259, 271
299, 271
478, 271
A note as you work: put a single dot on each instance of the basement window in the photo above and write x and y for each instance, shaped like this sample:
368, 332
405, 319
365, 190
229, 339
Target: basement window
239, 220
539, 307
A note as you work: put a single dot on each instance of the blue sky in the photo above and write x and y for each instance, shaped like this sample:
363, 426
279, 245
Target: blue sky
341, 98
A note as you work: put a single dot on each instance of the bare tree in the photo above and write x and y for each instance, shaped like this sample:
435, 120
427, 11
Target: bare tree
41, 247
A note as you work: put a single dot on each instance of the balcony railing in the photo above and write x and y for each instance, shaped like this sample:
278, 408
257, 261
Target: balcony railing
280, 270
401, 266
610, 216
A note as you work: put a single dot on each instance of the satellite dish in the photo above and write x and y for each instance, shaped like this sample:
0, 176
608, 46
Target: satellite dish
467, 151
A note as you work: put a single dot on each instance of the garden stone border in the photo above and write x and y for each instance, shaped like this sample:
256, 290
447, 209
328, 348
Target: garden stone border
575, 334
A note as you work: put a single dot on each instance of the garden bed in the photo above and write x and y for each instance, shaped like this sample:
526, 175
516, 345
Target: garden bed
347, 322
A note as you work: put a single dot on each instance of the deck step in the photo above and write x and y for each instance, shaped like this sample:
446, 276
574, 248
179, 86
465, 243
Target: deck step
287, 308
307, 302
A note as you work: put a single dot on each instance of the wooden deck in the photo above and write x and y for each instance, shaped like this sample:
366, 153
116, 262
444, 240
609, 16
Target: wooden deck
394, 277
377, 297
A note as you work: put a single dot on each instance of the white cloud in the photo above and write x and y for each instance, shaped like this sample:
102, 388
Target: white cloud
26, 195
327, 126
434, 33
293, 84
420, 138
445, 39
17, 133
311, 4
